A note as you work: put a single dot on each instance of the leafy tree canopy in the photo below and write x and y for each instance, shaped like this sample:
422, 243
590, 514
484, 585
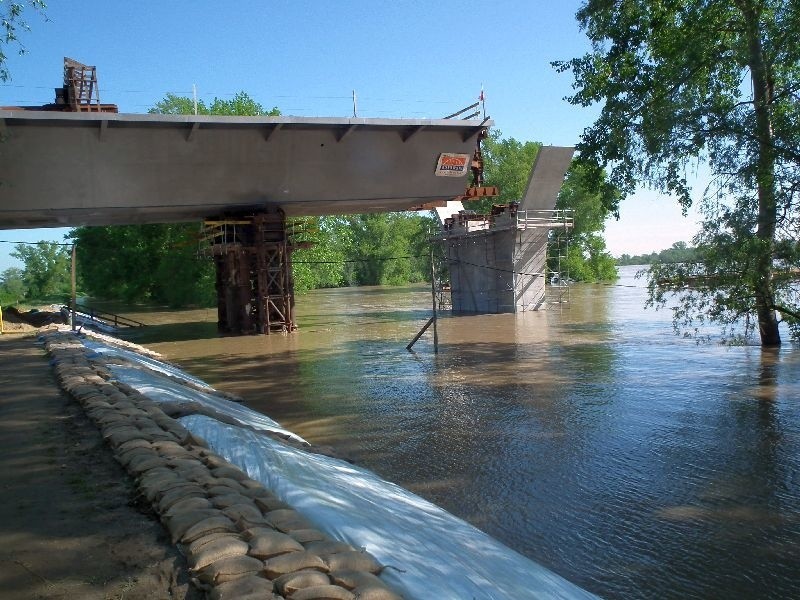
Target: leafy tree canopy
241, 104
715, 81
679, 252
12, 22
12, 286
45, 274
507, 165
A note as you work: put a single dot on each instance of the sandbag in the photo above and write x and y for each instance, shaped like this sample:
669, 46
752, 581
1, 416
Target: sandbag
288, 584
219, 486
230, 472
249, 533
294, 561
352, 561
375, 592
229, 481
213, 460
305, 536
365, 586
321, 548
230, 500
124, 434
177, 494
323, 592
187, 504
179, 523
286, 519
207, 526
242, 511
228, 569
197, 545
244, 588
268, 503
267, 544
223, 547
143, 464
354, 579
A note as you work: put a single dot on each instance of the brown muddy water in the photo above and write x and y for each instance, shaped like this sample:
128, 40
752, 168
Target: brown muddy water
588, 437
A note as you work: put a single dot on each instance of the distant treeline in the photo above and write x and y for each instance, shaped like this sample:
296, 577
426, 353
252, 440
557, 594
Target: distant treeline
679, 252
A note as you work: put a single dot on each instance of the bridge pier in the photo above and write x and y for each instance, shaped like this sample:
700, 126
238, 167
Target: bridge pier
255, 289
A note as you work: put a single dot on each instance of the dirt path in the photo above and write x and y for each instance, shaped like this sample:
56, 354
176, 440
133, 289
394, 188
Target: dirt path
69, 526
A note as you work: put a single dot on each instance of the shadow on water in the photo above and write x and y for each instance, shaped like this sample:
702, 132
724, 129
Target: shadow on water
588, 438
171, 332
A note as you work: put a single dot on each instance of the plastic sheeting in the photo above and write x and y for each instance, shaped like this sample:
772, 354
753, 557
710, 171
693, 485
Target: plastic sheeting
161, 389
110, 351
161, 383
439, 555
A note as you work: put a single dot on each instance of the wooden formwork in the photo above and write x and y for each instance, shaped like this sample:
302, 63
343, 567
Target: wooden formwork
255, 290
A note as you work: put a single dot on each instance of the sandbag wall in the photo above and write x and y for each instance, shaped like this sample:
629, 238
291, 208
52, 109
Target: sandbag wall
239, 539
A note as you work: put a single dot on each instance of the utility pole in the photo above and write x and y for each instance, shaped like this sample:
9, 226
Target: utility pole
74, 299
355, 105
194, 97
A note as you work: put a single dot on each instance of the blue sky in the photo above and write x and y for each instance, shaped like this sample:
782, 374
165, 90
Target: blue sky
403, 59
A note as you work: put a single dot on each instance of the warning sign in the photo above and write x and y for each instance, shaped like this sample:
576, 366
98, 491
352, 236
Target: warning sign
452, 165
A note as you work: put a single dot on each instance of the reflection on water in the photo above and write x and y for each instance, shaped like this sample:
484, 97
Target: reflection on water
588, 437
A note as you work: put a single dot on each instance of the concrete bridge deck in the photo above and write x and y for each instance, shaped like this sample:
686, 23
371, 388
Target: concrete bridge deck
69, 169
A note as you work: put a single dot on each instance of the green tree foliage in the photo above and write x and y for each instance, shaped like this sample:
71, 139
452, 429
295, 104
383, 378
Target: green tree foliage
388, 249
12, 286
156, 263
241, 104
45, 274
712, 81
366, 249
321, 264
679, 252
507, 165
12, 22
587, 257
138, 263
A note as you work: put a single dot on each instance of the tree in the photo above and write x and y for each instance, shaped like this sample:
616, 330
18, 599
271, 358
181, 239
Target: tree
321, 262
715, 81
679, 252
12, 286
507, 165
12, 19
241, 105
587, 258
389, 248
46, 271
156, 263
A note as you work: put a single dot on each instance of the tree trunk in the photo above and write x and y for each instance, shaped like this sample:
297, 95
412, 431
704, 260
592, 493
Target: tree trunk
765, 169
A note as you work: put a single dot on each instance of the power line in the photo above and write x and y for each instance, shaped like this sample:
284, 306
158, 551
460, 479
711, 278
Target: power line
36, 243
354, 260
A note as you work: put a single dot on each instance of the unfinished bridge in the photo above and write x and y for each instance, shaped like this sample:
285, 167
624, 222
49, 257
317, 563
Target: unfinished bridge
79, 162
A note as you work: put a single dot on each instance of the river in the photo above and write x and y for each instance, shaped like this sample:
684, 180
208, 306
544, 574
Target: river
588, 437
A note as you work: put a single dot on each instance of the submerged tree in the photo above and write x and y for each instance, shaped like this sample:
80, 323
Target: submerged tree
683, 82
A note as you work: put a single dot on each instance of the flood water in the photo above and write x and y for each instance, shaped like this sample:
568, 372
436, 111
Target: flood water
588, 437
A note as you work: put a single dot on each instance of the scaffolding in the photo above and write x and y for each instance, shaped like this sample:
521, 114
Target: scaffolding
252, 254
80, 84
558, 276
499, 262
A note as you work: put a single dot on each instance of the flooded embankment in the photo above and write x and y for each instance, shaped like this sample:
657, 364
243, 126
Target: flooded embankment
256, 509
589, 438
